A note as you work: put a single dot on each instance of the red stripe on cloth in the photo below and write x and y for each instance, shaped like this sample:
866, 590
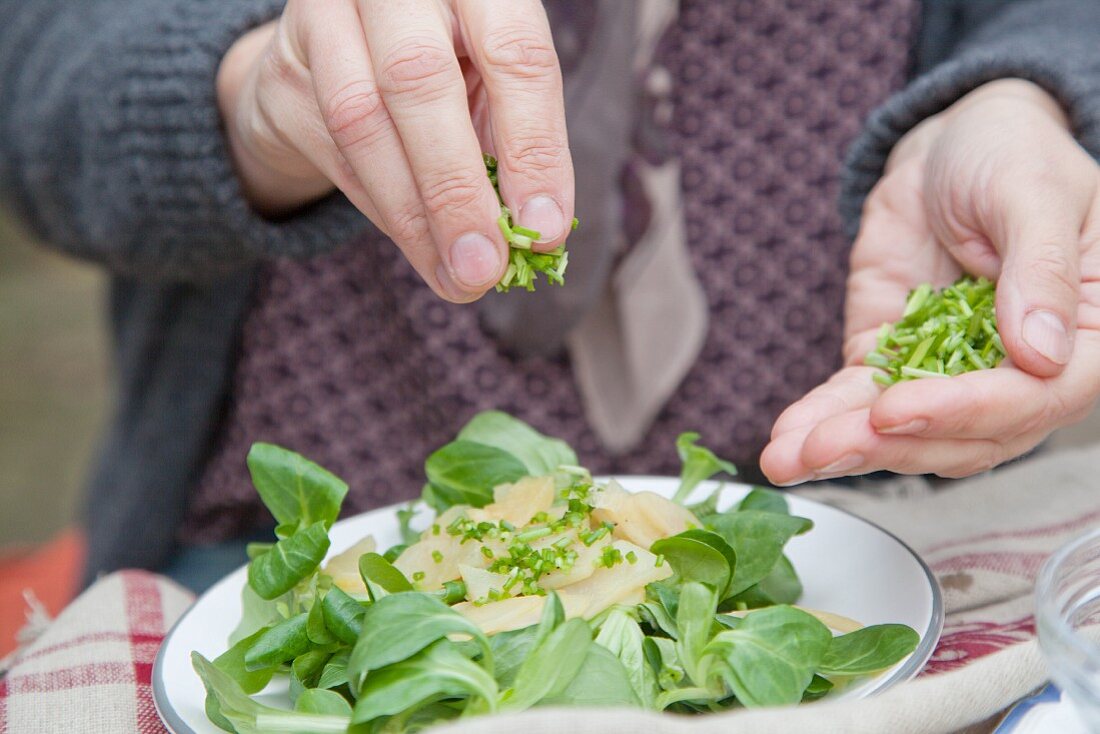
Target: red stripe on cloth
969, 642
145, 620
3, 706
1024, 565
1036, 532
81, 640
76, 676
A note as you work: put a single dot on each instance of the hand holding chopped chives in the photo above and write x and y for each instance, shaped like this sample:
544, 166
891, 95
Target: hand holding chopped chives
941, 334
524, 264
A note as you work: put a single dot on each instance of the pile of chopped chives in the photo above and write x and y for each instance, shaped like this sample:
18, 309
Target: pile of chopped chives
941, 334
524, 264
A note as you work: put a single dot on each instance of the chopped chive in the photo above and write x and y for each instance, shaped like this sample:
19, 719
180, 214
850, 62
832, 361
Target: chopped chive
529, 233
533, 534
941, 333
525, 263
419, 576
438, 557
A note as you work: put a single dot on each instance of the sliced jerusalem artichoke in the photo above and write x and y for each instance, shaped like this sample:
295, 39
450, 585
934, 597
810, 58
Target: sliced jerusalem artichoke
583, 566
344, 567
518, 503
439, 555
642, 518
623, 583
620, 583
480, 582
516, 613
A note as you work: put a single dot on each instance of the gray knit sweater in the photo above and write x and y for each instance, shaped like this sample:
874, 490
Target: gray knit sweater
110, 148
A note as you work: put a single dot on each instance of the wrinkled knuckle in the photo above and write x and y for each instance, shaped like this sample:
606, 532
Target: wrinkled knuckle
281, 68
520, 52
352, 113
408, 226
418, 68
1051, 265
452, 193
536, 152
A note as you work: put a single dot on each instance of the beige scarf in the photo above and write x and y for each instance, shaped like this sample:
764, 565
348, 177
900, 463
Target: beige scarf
632, 314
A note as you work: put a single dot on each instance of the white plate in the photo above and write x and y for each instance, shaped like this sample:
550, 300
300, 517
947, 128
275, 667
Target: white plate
847, 565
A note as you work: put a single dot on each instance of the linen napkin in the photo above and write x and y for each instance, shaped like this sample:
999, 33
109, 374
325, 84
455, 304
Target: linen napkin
90, 670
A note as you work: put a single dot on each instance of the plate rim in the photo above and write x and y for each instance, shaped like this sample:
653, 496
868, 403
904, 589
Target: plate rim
915, 663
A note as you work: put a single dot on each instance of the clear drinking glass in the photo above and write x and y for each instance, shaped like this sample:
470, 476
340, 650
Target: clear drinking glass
1068, 601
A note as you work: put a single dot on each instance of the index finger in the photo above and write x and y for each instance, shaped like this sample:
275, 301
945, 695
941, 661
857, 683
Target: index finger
412, 51
510, 44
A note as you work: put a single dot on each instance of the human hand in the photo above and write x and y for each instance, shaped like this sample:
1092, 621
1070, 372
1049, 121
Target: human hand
994, 186
392, 102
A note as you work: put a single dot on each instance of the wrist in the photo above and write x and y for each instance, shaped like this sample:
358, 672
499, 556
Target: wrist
1010, 93
274, 178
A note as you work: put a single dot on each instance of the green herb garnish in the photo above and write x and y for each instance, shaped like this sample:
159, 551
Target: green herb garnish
941, 334
524, 264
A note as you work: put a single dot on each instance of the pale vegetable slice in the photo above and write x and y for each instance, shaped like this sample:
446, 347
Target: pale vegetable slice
518, 503
516, 613
344, 567
642, 518
438, 556
621, 583
584, 565
479, 582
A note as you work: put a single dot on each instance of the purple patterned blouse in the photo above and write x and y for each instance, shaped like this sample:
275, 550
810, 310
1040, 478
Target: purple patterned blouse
350, 360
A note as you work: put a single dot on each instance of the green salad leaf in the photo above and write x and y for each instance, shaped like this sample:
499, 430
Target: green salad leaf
432, 674
465, 473
232, 709
289, 561
399, 625
757, 539
868, 650
539, 454
699, 464
380, 577
769, 659
280, 644
298, 492
699, 555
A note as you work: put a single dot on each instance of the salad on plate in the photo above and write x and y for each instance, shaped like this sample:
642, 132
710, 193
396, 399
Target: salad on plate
533, 584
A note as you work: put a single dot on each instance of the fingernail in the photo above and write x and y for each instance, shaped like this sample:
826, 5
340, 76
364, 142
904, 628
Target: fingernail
475, 260
843, 464
1046, 334
917, 425
543, 215
800, 480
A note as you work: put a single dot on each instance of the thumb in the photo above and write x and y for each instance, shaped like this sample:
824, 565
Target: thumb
1038, 291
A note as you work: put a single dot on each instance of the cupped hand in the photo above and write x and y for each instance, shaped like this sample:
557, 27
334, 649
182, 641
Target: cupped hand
393, 102
993, 186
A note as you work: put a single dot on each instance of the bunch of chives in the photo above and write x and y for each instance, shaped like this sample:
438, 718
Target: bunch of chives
524, 264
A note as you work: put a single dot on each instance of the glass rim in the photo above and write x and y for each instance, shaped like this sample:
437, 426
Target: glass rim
1049, 615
